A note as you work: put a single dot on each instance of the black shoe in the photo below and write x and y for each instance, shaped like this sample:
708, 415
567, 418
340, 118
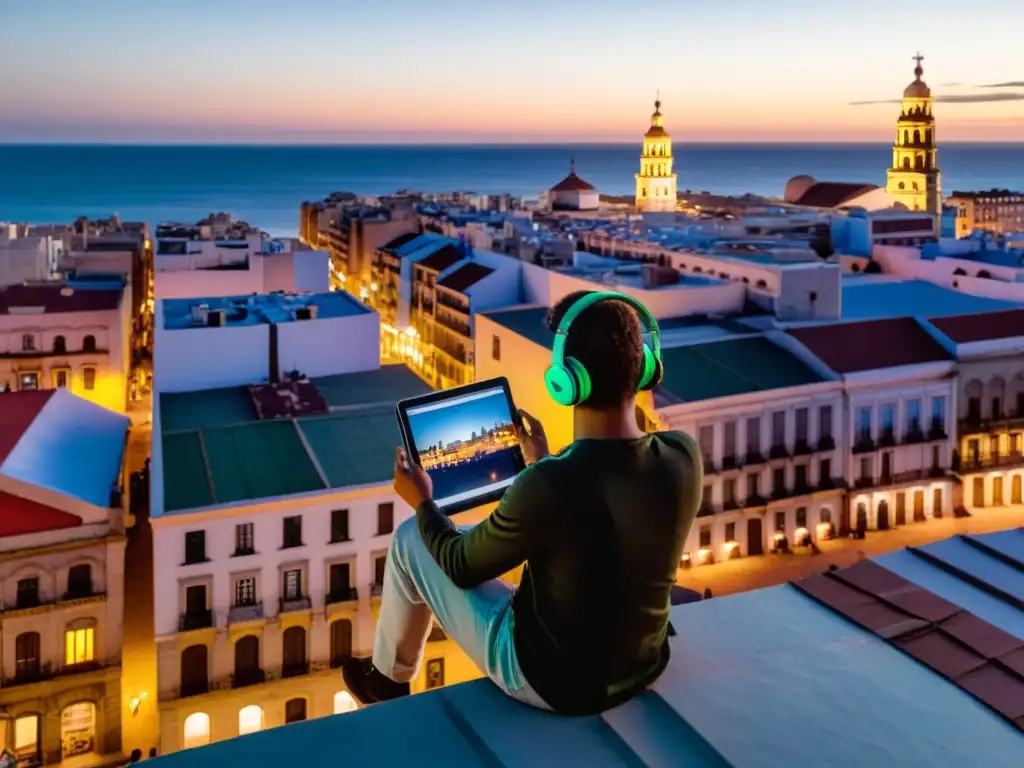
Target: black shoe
368, 684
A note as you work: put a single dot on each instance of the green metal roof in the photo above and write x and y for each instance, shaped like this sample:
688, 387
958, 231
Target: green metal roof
528, 322
186, 482
736, 367
388, 384
205, 409
355, 448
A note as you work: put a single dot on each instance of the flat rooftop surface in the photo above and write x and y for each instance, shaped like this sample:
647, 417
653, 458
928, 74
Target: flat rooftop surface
871, 297
261, 308
756, 680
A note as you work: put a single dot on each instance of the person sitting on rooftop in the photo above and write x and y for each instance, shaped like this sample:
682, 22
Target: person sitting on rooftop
601, 527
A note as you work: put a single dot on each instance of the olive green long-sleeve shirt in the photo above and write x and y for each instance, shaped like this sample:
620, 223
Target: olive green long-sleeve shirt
601, 527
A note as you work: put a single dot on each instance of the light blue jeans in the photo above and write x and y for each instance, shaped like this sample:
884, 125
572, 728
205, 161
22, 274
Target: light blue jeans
479, 620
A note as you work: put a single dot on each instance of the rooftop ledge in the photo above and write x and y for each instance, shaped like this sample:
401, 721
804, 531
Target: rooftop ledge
764, 678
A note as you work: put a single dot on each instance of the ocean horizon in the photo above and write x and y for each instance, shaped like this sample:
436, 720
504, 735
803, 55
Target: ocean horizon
264, 184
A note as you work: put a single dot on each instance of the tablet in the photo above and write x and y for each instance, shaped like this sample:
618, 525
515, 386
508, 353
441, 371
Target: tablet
465, 438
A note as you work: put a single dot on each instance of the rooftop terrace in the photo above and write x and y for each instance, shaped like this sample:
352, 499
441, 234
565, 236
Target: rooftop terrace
914, 659
871, 297
216, 449
258, 309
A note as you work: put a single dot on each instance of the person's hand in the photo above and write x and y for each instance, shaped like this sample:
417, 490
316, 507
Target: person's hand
532, 438
412, 482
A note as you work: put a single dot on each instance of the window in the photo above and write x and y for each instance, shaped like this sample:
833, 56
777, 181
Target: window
936, 457
753, 485
340, 581
250, 720
60, 378
887, 465
997, 408
997, 491
801, 517
706, 440
435, 673
1015, 490
780, 521
339, 525
730, 531
294, 710
824, 470
27, 738
195, 547
864, 425
913, 416
801, 425
294, 659
245, 591
779, 481
341, 642
28, 592
28, 343
800, 476
495, 347
379, 565
247, 661
194, 669
343, 702
901, 508
705, 497
244, 544
385, 518
865, 469
26, 656
292, 532
292, 585
79, 581
979, 492
779, 428
705, 538
754, 435
78, 645
89, 378
28, 381
889, 418
197, 730
939, 413
974, 450
729, 493
89, 343
730, 439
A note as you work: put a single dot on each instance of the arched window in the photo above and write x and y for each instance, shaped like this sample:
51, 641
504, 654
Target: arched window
26, 656
59, 345
343, 702
341, 642
917, 136
906, 137
79, 581
250, 719
79, 642
197, 730
28, 342
906, 163
294, 662
194, 671
919, 162
902, 185
294, 710
247, 662
89, 343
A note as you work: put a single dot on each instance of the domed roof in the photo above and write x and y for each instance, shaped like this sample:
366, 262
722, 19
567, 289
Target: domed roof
797, 186
918, 89
573, 183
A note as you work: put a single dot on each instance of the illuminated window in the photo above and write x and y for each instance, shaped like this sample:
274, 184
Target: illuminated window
78, 645
343, 702
26, 737
250, 720
197, 730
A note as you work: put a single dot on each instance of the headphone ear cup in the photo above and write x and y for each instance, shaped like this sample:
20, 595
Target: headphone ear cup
653, 371
581, 378
561, 385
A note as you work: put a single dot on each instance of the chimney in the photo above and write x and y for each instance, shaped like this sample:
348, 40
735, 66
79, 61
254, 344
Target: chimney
273, 362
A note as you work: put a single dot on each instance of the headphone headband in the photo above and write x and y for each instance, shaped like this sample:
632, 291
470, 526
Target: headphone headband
650, 325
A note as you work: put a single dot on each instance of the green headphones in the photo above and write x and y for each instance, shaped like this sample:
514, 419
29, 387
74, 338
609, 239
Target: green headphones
567, 380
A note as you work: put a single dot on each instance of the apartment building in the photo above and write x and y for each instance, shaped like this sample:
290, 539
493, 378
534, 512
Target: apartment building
272, 514
67, 335
61, 577
997, 210
358, 232
990, 406
900, 395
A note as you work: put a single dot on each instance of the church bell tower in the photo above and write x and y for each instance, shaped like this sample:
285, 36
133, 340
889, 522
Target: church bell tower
656, 184
914, 178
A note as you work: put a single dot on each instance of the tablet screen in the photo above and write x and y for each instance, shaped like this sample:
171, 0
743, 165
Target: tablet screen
467, 444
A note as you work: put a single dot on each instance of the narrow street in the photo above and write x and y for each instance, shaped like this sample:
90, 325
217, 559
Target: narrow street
769, 570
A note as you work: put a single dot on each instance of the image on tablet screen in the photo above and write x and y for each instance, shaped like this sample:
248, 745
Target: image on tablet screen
467, 444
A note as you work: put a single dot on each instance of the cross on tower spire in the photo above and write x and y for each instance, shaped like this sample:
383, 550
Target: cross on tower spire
918, 70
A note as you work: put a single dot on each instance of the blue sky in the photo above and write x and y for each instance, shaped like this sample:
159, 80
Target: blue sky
468, 70
459, 421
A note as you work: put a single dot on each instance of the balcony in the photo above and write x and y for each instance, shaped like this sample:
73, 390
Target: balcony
28, 673
914, 435
195, 620
295, 604
295, 669
730, 505
346, 595
830, 484
864, 482
753, 457
249, 612
864, 444
246, 677
755, 500
729, 462
974, 424
707, 509
888, 438
194, 688
994, 460
451, 324
802, 447
778, 451
937, 431
826, 443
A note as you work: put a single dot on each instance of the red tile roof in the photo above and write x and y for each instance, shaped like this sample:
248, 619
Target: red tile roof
441, 259
17, 412
573, 183
19, 515
868, 346
51, 297
985, 326
465, 276
832, 194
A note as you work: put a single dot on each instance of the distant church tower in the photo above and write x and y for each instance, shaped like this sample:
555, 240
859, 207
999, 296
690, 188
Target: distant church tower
656, 184
915, 179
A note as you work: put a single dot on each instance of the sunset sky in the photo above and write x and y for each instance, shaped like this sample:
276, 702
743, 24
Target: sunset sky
262, 71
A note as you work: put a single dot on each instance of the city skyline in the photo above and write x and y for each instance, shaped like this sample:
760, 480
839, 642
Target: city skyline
458, 422
457, 72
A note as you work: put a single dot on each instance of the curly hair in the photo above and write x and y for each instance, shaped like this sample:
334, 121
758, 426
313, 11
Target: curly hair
607, 338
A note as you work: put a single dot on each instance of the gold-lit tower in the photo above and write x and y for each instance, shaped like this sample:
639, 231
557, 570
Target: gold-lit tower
914, 178
656, 184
